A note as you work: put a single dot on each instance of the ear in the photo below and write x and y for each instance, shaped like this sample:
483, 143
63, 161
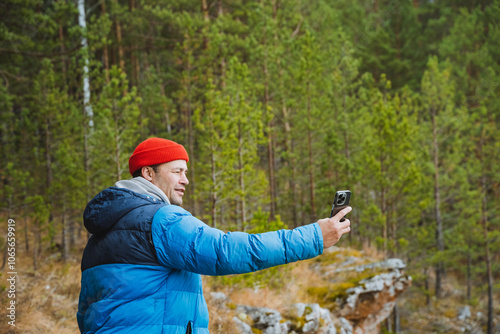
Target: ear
147, 173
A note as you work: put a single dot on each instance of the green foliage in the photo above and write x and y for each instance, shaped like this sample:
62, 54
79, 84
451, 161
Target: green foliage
116, 128
326, 95
261, 223
271, 277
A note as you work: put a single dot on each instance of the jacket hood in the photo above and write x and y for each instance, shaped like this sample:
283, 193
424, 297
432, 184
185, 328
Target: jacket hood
111, 204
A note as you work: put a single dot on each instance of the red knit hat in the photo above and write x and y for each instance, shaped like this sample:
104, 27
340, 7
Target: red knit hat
154, 151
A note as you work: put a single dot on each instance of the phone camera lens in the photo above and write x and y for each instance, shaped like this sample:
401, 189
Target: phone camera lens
341, 199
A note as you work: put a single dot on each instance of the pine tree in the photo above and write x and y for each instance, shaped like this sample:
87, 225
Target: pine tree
390, 171
437, 96
245, 119
116, 130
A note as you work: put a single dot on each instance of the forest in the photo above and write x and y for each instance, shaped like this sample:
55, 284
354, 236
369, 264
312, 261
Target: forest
279, 104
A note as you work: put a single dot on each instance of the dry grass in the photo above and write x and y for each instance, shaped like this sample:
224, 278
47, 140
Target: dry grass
46, 300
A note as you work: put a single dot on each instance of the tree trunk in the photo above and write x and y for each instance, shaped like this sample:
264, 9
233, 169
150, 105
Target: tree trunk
162, 90
117, 143
242, 178
134, 63
105, 55
189, 125
48, 167
26, 239
213, 171
311, 162
427, 288
220, 12
437, 208
347, 154
9, 208
395, 318
214, 189
290, 160
469, 268
71, 233
121, 55
87, 107
270, 144
383, 208
25, 205
36, 246
484, 222
63, 51
4, 262
290, 164
65, 246
204, 9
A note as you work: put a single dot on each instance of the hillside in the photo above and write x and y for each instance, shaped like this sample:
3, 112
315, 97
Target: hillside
279, 104
47, 300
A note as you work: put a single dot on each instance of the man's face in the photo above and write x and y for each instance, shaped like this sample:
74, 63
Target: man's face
172, 180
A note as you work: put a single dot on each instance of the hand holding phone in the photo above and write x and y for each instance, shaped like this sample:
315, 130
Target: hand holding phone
341, 200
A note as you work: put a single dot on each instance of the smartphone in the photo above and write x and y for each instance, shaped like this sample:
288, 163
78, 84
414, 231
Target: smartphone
341, 200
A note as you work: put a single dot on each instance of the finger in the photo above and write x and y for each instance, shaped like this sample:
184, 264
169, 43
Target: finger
343, 212
346, 223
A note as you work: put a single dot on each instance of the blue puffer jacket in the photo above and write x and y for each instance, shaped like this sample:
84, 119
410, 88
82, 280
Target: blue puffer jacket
141, 267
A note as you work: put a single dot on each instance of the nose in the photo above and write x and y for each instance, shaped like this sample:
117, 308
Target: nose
184, 180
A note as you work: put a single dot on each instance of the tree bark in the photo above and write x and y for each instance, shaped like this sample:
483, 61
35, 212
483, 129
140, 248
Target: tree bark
311, 162
117, 142
469, 268
220, 13
383, 208
241, 178
189, 124
290, 164
121, 55
204, 9
347, 154
395, 318
63, 52
25, 206
65, 246
427, 288
214, 189
484, 222
437, 207
48, 167
270, 143
87, 107
162, 90
105, 54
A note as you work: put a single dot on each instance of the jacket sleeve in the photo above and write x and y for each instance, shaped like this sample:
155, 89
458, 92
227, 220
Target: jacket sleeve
184, 242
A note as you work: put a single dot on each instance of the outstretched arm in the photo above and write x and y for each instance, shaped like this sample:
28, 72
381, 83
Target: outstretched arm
184, 242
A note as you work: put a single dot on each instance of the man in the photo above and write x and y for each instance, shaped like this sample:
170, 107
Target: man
141, 267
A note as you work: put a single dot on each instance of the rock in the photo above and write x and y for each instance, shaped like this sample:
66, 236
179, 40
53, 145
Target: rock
315, 319
373, 300
243, 327
360, 310
464, 313
218, 297
345, 326
265, 319
389, 264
